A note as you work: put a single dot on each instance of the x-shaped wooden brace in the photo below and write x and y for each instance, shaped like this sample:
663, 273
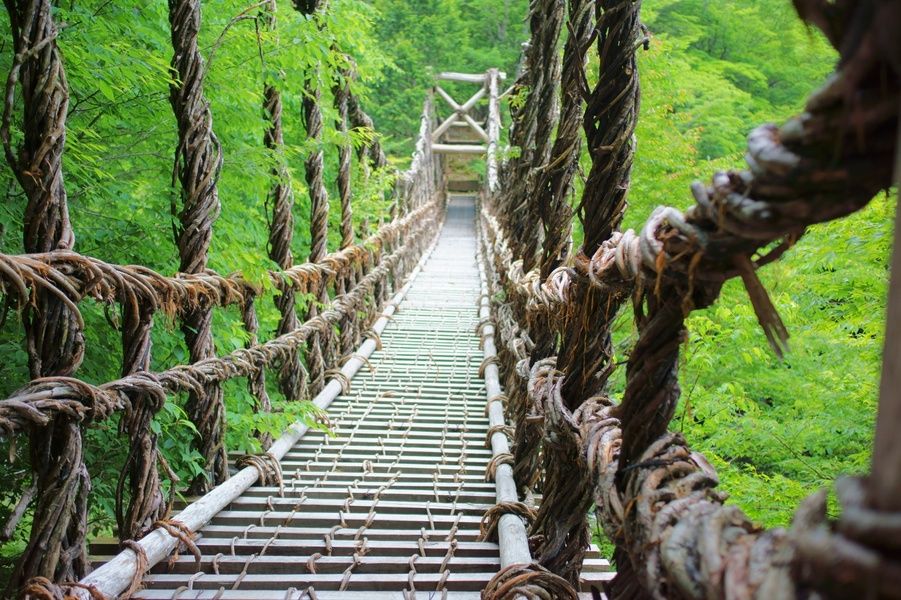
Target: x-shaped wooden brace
461, 111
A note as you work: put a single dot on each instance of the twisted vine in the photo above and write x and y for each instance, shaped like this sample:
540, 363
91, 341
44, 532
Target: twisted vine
198, 163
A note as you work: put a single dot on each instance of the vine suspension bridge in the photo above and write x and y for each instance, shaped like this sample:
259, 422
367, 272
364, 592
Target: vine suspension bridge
459, 355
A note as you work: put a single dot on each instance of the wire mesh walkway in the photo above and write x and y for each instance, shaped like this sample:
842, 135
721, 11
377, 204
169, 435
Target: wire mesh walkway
390, 506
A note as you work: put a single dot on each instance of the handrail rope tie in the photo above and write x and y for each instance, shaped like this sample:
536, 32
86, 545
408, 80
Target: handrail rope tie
507, 430
339, 376
488, 360
503, 398
267, 466
491, 519
528, 580
142, 564
504, 458
183, 534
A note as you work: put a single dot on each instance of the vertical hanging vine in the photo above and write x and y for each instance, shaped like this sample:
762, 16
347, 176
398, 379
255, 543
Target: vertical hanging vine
558, 526
534, 128
552, 202
198, 163
611, 115
53, 332
341, 93
318, 350
586, 353
146, 503
281, 224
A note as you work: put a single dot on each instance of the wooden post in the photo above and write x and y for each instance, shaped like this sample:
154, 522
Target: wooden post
494, 128
885, 481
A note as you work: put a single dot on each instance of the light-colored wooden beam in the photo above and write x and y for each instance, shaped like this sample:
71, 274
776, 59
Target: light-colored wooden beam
494, 128
439, 131
462, 77
458, 149
468, 77
475, 127
447, 98
513, 539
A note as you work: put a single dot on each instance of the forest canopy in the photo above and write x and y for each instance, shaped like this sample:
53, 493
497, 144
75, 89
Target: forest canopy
776, 430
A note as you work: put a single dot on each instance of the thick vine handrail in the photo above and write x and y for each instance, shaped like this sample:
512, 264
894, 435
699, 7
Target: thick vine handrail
654, 496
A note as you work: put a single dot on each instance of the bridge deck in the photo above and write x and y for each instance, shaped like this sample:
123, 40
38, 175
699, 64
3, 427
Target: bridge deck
393, 501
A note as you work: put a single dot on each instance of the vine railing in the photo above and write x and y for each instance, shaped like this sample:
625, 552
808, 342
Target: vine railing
553, 309
353, 286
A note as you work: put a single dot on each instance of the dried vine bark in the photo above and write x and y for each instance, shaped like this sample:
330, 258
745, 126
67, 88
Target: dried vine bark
552, 201
319, 351
533, 128
319, 209
53, 332
146, 503
257, 380
360, 120
281, 223
42, 400
531, 131
610, 119
824, 164
199, 161
561, 452
585, 352
341, 92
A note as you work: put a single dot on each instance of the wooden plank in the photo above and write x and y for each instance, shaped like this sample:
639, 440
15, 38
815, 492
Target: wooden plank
368, 581
265, 532
289, 594
359, 505
340, 547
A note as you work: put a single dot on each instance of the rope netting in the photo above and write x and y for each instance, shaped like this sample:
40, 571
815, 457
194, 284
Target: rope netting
655, 498
47, 285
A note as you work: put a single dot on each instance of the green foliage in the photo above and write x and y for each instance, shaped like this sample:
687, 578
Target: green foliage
427, 37
118, 164
775, 430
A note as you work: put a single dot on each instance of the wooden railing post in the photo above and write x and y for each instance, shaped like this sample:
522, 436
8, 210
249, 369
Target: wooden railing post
494, 128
